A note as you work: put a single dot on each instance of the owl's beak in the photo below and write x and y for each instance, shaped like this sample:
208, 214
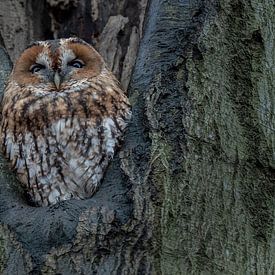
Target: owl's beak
57, 80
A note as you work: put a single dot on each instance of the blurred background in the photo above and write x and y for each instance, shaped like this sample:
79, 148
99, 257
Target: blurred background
114, 28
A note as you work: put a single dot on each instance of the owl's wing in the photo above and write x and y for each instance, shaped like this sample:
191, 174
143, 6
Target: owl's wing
5, 68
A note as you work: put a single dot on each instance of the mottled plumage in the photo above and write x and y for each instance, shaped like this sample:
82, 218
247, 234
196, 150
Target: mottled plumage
63, 114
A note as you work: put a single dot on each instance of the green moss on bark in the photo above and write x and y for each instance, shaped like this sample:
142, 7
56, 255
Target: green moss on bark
213, 158
3, 259
229, 159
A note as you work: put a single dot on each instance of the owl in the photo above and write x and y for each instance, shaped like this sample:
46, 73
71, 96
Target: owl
63, 114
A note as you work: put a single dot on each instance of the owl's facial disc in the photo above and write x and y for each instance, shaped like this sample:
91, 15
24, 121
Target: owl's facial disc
55, 63
55, 73
55, 67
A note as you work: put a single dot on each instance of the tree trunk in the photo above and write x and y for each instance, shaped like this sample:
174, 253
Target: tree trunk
192, 189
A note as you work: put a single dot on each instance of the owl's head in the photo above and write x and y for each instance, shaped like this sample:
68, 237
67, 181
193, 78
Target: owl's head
56, 62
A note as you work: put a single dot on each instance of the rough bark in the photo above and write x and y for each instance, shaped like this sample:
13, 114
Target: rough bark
6, 65
192, 189
210, 109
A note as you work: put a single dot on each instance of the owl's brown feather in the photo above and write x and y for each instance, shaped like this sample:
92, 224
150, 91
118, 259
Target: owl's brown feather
60, 141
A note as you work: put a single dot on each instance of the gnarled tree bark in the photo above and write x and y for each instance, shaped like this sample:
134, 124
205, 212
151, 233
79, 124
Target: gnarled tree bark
192, 189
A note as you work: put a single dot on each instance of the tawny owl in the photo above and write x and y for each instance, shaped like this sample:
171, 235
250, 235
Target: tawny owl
63, 114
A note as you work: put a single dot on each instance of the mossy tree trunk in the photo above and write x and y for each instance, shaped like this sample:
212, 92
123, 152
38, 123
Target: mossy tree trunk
192, 189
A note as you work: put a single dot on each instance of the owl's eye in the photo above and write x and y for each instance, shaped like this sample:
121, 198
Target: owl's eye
35, 68
76, 63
